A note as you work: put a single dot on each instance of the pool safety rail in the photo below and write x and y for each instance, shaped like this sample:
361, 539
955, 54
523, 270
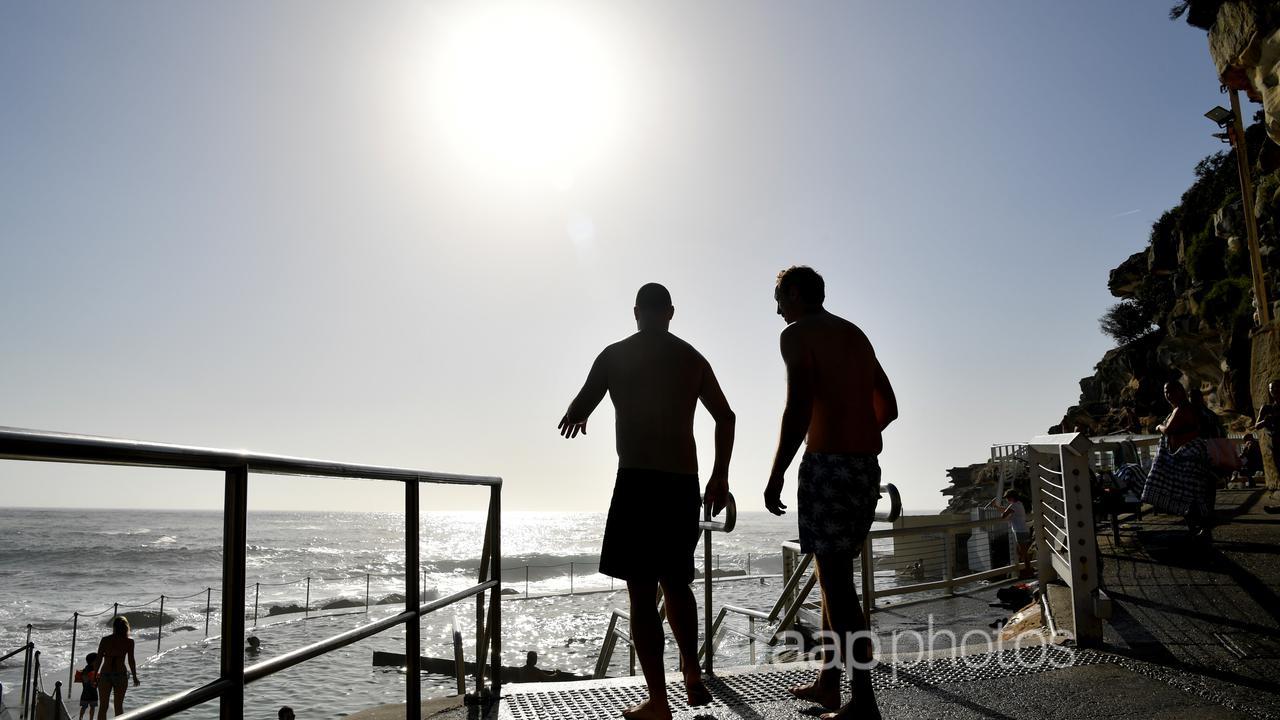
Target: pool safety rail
936, 548
236, 466
1066, 539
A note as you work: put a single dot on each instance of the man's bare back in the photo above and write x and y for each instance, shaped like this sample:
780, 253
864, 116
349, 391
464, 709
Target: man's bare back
654, 380
840, 364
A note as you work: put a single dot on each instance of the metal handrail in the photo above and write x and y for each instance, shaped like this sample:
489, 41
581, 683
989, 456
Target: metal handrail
20, 648
791, 600
46, 446
43, 446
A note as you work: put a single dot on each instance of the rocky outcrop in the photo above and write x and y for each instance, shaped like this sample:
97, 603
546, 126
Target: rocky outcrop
1125, 280
974, 486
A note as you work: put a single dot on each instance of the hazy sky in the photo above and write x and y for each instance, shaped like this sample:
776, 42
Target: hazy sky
399, 233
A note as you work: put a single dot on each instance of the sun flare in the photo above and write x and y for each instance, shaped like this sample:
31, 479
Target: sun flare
526, 92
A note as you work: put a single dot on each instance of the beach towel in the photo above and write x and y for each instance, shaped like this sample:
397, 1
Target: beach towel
1178, 479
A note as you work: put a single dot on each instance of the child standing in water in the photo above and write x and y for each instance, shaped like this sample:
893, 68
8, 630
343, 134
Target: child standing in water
88, 679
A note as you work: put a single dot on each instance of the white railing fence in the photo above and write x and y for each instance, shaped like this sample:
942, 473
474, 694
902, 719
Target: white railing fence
1066, 541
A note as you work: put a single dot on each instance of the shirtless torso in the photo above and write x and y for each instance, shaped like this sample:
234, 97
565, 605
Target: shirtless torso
836, 366
654, 380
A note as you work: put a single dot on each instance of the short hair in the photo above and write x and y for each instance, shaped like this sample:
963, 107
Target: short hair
653, 296
91, 658
120, 625
807, 282
285, 712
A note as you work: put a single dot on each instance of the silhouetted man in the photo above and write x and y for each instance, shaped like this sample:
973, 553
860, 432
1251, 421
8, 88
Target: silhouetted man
655, 380
839, 396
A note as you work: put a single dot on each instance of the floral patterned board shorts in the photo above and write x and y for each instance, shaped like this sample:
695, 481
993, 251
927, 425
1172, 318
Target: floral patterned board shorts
837, 495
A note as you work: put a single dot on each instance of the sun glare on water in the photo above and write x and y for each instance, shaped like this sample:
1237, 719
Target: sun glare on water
526, 93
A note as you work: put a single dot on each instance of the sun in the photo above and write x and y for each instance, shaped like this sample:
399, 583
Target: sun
527, 92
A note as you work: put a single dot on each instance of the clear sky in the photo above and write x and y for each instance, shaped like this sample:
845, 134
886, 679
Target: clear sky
398, 233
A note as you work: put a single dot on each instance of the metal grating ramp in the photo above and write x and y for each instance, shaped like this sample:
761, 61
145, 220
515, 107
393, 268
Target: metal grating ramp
604, 698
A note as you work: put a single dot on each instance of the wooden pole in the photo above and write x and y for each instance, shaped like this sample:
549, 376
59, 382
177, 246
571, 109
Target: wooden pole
1250, 222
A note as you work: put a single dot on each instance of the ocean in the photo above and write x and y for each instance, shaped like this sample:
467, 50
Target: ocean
57, 563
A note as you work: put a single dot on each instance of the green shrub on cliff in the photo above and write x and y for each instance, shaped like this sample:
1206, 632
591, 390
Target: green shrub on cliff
1205, 256
1227, 300
1238, 263
1125, 322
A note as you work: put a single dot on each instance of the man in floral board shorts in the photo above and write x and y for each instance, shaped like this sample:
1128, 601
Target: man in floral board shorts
838, 397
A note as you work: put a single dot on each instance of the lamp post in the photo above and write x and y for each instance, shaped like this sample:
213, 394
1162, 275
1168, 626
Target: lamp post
1230, 119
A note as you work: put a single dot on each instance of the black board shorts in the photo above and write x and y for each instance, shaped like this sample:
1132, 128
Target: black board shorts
652, 529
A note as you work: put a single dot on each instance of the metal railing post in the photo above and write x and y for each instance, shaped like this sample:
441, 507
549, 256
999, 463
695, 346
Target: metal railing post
33, 693
208, 609
412, 603
748, 563
234, 542
159, 629
868, 582
1082, 545
495, 625
26, 673
709, 661
71, 671
570, 578
256, 588
459, 665
306, 604
366, 593
949, 547
1044, 553
56, 700
526, 582
484, 569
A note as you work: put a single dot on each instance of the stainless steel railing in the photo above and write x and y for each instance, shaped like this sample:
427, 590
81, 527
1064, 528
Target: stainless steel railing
1067, 544
228, 689
939, 543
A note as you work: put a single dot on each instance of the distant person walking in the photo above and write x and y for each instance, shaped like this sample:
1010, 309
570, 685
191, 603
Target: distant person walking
1015, 511
655, 381
114, 651
839, 396
1180, 481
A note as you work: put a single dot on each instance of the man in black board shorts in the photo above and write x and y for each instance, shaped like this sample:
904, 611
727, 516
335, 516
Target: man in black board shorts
838, 397
655, 380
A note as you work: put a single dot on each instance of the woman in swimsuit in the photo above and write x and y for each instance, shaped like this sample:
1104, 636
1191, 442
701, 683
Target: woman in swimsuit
113, 651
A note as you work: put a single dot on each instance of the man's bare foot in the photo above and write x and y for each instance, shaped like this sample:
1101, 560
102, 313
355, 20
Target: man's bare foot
825, 694
648, 710
854, 711
697, 692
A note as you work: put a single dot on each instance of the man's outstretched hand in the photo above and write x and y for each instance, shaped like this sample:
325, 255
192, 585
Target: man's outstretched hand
717, 495
570, 429
773, 496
